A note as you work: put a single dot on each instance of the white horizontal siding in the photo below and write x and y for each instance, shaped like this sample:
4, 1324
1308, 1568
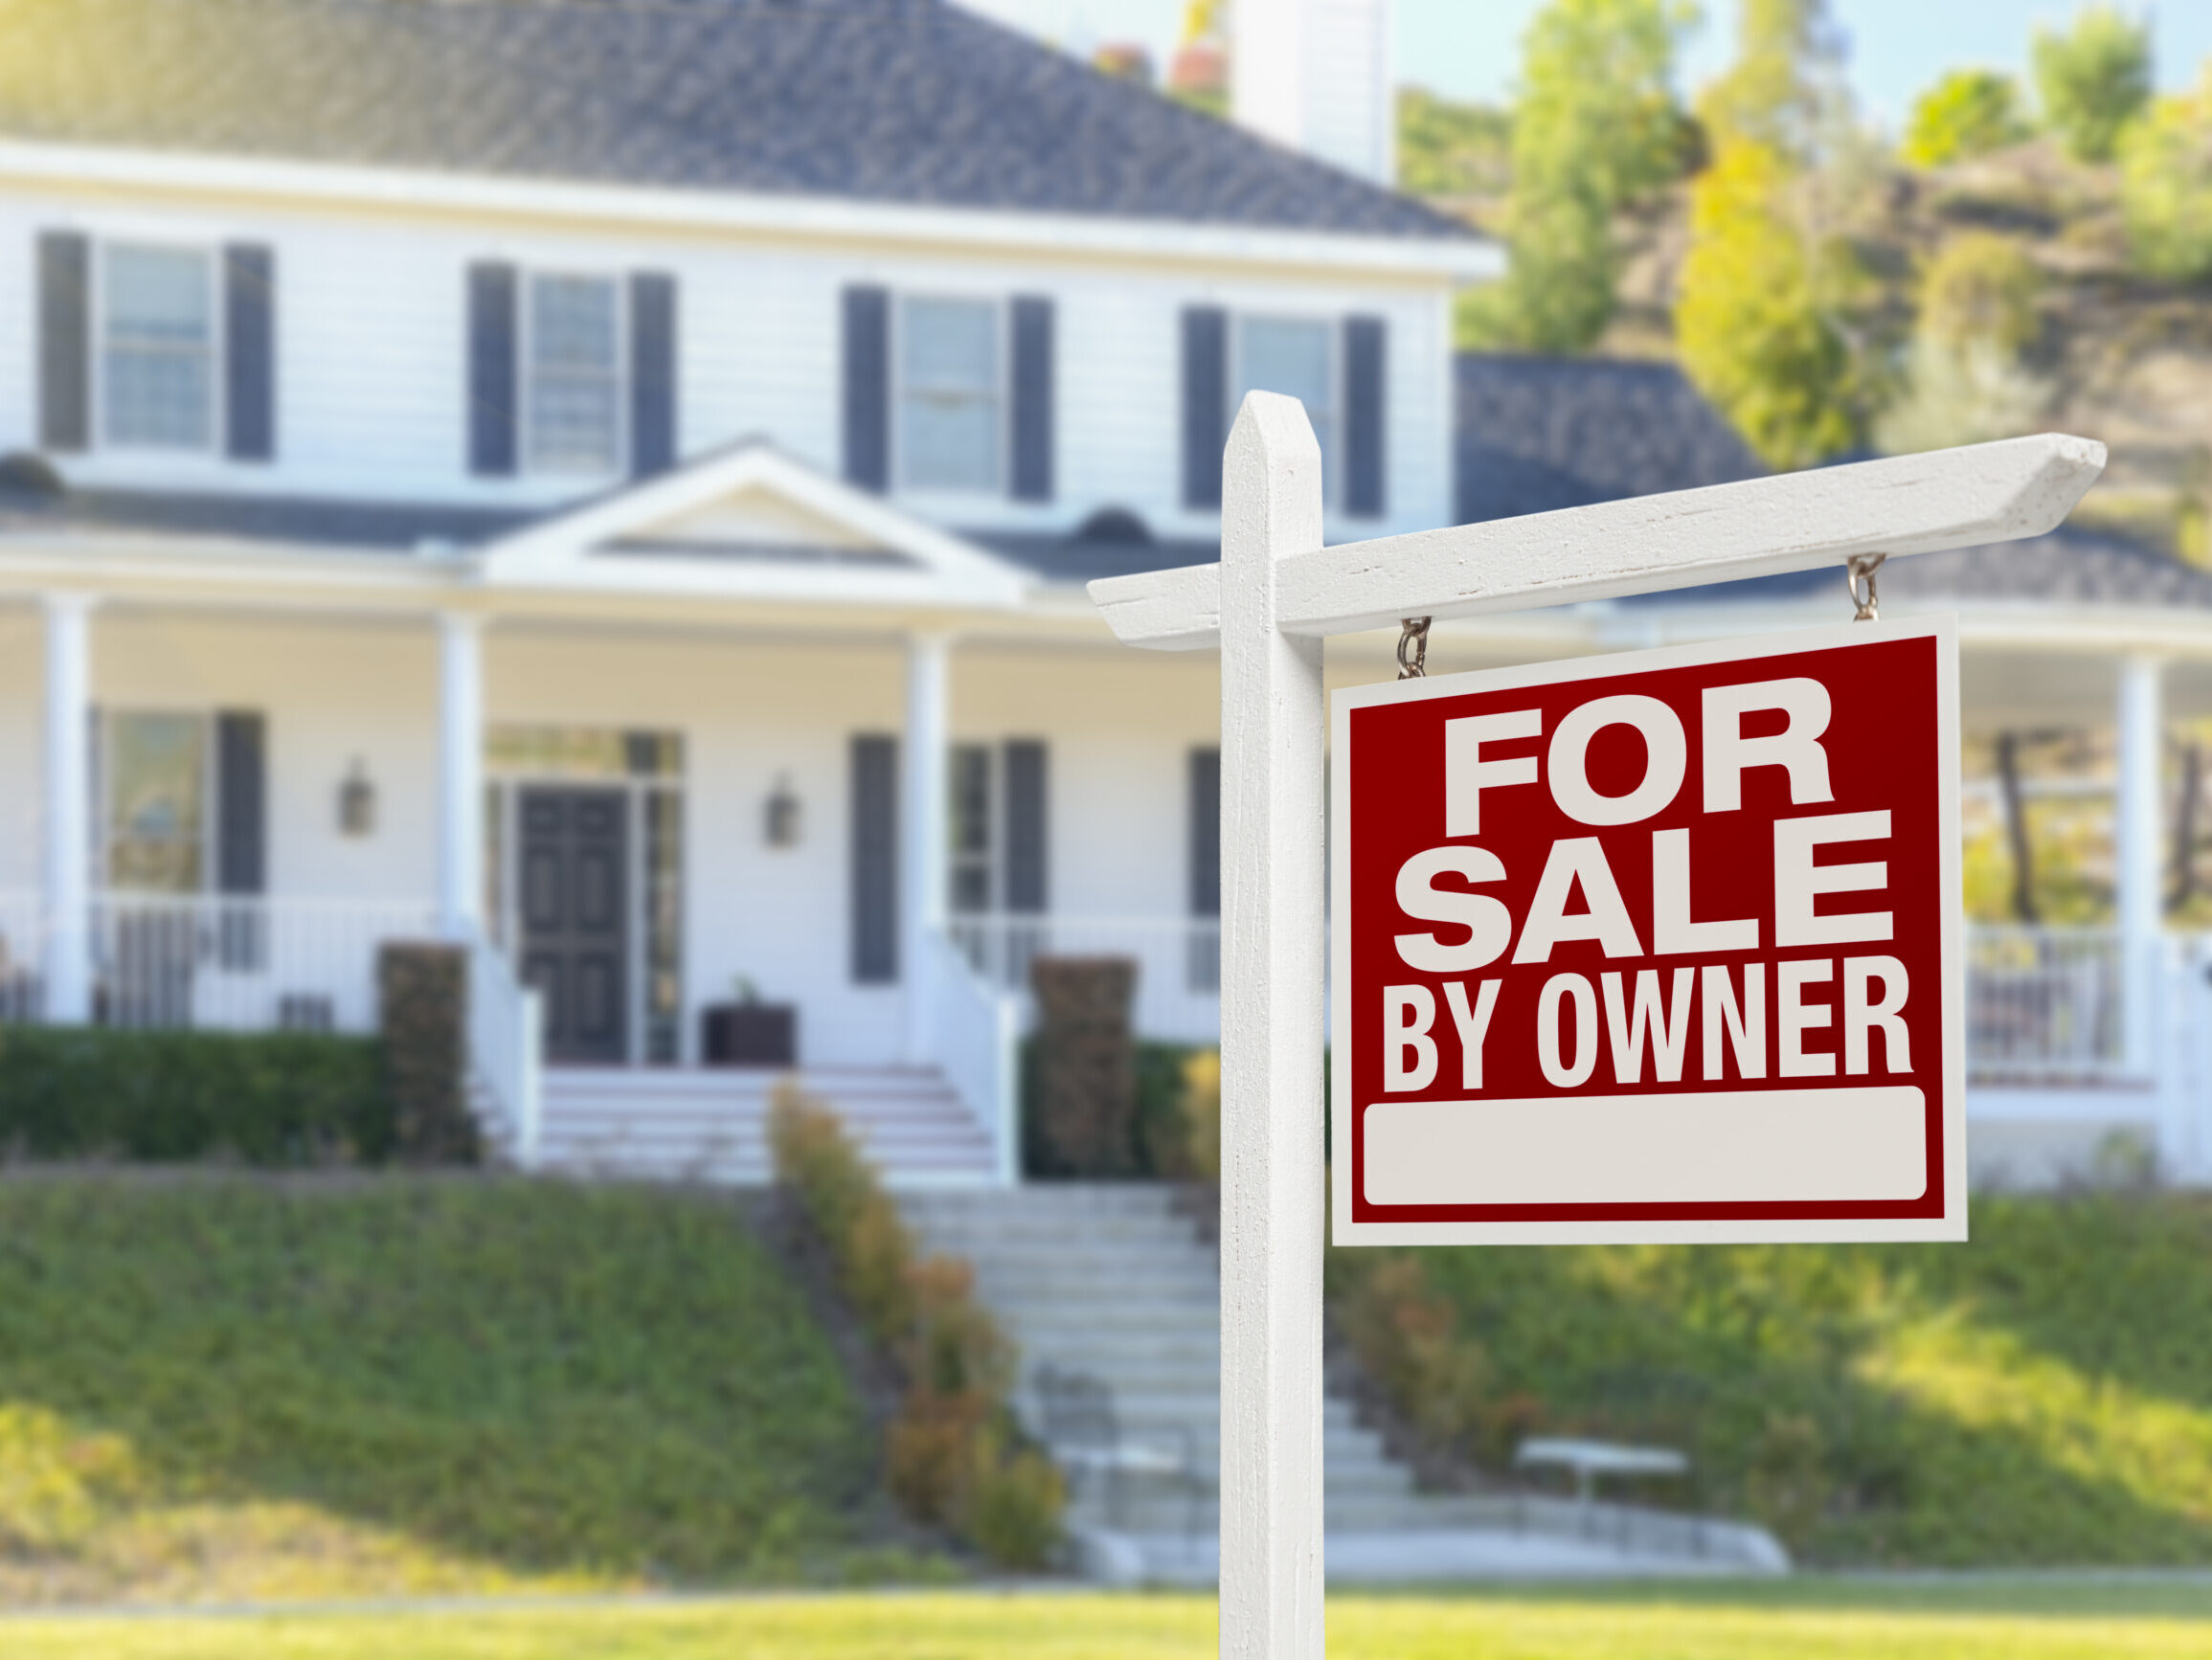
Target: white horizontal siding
371, 355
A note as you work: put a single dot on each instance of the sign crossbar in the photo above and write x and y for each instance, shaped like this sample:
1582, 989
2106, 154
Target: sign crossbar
1925, 504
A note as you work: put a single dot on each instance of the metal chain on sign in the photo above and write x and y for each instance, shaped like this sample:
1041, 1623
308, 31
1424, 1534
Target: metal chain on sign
1414, 632
1858, 567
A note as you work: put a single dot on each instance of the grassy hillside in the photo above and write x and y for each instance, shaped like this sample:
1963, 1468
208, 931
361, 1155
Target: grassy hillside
237, 1387
2042, 1395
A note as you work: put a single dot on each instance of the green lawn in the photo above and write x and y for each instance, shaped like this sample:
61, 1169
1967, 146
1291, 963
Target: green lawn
2042, 1395
1794, 1623
236, 1387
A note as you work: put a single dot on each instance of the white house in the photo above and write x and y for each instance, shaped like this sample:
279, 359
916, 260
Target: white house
610, 484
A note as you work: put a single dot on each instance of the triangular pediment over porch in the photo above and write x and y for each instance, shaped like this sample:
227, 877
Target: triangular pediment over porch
751, 520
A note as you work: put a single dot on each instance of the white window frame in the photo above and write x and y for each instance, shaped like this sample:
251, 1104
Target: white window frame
1333, 332
1002, 395
527, 371
217, 348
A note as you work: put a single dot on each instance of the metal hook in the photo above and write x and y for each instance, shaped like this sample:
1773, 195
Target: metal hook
1414, 632
1858, 566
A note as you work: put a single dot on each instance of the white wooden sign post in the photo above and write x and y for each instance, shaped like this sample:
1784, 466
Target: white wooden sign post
1276, 596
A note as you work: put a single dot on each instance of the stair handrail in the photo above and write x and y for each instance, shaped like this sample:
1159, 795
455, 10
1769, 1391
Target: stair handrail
506, 1048
975, 1037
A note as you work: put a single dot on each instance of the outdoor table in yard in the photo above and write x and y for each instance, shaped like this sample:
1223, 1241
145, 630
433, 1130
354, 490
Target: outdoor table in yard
1276, 596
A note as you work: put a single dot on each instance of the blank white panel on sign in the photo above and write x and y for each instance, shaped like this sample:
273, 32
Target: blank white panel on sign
1749, 1147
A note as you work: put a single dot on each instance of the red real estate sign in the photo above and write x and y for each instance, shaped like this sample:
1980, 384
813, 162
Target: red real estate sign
1662, 946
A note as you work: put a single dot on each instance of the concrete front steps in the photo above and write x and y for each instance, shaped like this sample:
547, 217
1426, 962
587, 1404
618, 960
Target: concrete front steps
1109, 1279
669, 1124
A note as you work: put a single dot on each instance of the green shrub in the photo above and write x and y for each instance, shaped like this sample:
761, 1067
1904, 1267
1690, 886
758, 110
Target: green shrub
2093, 80
276, 1099
1969, 112
954, 1456
2166, 185
422, 1011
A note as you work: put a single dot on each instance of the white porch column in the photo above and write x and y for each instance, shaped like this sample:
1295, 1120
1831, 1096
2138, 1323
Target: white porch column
68, 808
922, 824
2139, 839
460, 773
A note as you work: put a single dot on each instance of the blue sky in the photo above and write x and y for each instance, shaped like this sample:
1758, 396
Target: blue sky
1470, 48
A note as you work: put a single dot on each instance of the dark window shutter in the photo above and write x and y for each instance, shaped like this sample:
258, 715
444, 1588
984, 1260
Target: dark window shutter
1032, 436
1205, 403
241, 835
64, 341
494, 368
652, 373
1206, 832
874, 860
250, 352
1364, 388
241, 802
1028, 867
867, 388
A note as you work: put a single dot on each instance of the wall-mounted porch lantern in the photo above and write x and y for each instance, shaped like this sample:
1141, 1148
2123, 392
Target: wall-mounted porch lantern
356, 802
781, 814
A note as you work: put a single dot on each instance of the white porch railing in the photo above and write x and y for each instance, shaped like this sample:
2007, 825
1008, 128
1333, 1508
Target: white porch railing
214, 962
2044, 1004
22, 955
1177, 961
976, 1030
506, 1053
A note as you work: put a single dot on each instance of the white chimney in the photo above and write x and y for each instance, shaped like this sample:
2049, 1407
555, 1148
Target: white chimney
1315, 74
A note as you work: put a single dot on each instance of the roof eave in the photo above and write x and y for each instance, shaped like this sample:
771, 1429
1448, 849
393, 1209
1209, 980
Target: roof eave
1473, 258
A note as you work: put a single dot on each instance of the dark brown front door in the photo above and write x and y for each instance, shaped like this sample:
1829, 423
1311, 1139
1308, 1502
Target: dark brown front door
576, 932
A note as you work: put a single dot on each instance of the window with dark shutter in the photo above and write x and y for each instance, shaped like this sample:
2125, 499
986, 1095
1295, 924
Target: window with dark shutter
493, 369
1028, 867
1202, 968
250, 352
1033, 386
64, 341
653, 441
241, 834
1365, 385
867, 388
1205, 403
874, 858
1206, 832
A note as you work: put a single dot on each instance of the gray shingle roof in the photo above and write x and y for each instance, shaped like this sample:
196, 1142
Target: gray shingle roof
912, 102
1536, 434
290, 521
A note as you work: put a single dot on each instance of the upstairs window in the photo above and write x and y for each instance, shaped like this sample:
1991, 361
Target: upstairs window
1294, 356
158, 347
574, 374
951, 431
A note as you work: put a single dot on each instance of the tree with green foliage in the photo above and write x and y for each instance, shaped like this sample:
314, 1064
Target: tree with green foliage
2094, 81
1755, 323
1780, 90
1969, 377
1595, 128
1968, 113
1452, 150
1764, 290
2166, 185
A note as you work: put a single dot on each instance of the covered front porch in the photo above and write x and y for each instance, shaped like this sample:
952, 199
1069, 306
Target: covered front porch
743, 736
